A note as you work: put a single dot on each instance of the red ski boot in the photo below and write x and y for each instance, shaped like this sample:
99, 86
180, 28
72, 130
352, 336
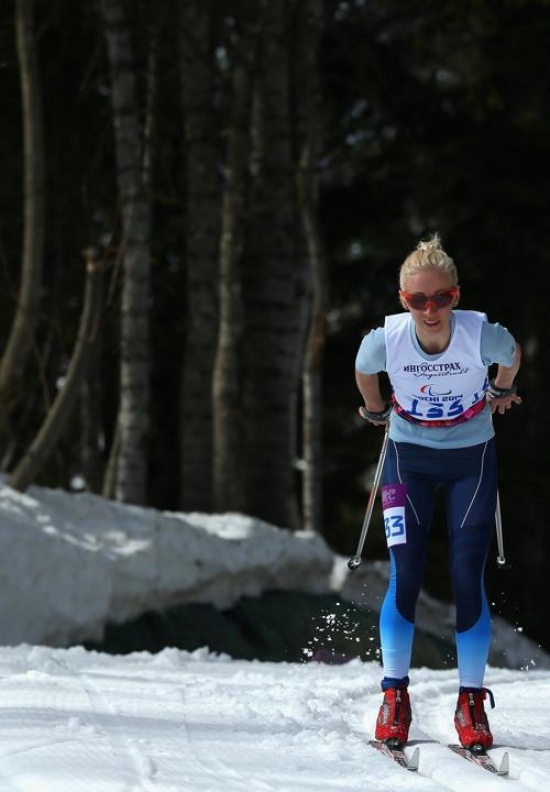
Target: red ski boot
394, 717
470, 719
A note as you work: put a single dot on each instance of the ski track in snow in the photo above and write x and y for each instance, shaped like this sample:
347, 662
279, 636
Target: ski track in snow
75, 721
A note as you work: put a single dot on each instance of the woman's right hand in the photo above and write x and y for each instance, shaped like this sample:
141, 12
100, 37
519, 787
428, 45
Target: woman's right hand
377, 418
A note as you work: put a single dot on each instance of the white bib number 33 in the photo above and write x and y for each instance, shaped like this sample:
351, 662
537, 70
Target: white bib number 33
394, 498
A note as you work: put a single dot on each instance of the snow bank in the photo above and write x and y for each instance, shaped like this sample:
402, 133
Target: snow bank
71, 562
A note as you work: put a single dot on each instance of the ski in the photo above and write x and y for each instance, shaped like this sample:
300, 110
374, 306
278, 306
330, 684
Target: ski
395, 751
479, 756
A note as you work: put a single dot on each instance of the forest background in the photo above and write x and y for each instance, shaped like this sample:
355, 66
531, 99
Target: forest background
204, 206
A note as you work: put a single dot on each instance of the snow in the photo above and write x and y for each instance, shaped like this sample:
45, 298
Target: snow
78, 721
76, 561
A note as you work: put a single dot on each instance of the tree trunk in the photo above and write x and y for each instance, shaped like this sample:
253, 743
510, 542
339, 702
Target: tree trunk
108, 489
227, 392
274, 291
203, 196
91, 429
21, 338
57, 418
133, 417
309, 106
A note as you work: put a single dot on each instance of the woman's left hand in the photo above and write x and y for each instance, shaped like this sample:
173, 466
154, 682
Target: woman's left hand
500, 404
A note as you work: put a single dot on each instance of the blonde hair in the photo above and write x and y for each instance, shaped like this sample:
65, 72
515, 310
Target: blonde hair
428, 255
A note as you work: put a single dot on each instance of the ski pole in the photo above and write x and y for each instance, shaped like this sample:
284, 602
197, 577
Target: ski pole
501, 560
355, 561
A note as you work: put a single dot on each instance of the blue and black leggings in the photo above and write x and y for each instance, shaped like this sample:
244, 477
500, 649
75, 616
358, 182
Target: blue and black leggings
468, 476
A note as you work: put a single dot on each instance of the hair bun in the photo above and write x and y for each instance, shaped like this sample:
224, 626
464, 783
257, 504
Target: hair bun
431, 244
428, 254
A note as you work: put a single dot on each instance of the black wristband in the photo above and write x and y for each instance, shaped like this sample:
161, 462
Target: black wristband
494, 392
383, 415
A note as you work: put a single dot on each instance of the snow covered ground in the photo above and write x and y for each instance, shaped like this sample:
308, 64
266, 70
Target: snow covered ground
74, 721
78, 721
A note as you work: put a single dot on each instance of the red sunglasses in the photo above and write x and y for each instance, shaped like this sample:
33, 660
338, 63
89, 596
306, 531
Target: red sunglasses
420, 302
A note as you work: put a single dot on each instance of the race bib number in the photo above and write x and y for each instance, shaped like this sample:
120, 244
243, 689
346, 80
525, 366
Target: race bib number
394, 498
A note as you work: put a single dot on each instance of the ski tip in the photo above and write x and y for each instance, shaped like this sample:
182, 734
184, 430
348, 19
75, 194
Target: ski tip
504, 766
414, 760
